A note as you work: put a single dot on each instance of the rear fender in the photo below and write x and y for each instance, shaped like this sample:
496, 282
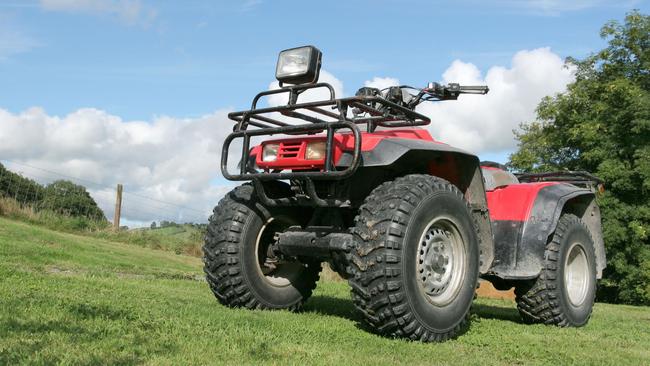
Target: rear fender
586, 208
461, 168
521, 241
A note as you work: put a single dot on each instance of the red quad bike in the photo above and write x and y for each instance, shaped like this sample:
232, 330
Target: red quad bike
411, 222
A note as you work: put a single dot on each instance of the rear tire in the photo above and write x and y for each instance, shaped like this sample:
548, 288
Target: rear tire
415, 271
238, 265
565, 290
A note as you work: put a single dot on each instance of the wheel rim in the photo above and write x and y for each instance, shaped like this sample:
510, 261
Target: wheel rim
441, 261
277, 272
576, 274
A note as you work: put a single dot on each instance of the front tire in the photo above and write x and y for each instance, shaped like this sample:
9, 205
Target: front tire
565, 290
415, 272
239, 266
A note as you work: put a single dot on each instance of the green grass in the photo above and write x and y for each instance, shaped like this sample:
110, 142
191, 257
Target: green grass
183, 239
77, 300
183, 232
11, 208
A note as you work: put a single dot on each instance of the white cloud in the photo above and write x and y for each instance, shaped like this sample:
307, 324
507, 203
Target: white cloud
484, 124
130, 11
309, 95
177, 160
168, 159
381, 83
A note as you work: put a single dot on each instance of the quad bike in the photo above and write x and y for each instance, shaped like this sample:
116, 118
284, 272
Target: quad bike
411, 222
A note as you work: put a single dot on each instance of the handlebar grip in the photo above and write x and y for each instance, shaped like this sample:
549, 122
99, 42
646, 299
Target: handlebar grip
451, 91
475, 89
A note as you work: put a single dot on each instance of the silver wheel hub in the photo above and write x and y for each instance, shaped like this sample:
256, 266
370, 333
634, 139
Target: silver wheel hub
576, 274
434, 266
440, 261
277, 272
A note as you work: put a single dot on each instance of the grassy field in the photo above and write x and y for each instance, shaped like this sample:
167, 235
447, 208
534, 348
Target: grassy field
180, 239
77, 300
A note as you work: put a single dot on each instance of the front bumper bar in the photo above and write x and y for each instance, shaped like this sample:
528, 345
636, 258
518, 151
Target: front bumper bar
330, 171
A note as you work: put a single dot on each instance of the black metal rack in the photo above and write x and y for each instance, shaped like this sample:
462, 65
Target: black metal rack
580, 178
329, 115
370, 110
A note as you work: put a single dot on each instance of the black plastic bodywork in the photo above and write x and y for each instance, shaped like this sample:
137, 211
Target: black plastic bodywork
514, 252
519, 245
329, 115
392, 158
401, 156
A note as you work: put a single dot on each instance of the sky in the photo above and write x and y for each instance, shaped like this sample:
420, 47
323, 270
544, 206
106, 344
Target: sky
137, 91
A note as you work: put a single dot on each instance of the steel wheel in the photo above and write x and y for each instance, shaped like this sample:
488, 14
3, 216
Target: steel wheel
441, 261
276, 271
239, 260
564, 292
415, 270
576, 274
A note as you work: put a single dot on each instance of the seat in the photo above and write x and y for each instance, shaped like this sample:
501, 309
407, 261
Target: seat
495, 176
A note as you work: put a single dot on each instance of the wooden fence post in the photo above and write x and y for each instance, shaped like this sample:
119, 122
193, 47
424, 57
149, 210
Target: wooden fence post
118, 208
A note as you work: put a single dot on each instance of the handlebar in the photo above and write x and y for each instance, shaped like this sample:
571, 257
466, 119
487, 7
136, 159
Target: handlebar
439, 92
451, 91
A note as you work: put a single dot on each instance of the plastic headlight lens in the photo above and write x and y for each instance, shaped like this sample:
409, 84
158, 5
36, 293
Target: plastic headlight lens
315, 150
293, 62
270, 152
298, 65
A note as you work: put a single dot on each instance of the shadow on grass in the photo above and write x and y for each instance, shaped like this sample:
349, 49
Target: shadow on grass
36, 327
344, 308
90, 311
334, 306
496, 312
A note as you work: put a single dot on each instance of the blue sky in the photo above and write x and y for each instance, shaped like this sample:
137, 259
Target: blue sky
137, 91
187, 58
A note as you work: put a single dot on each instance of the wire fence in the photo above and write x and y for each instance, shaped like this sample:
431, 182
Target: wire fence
46, 189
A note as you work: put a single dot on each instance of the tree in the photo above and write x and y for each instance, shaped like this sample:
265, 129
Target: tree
165, 223
602, 124
153, 225
71, 199
22, 189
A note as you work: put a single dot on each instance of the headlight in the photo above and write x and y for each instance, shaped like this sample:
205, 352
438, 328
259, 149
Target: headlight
315, 150
270, 152
298, 65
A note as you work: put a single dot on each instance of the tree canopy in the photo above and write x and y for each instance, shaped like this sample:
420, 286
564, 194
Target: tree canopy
71, 199
23, 190
602, 124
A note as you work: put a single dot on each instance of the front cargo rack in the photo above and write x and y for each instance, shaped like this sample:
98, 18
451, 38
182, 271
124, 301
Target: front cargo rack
305, 118
372, 110
327, 115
